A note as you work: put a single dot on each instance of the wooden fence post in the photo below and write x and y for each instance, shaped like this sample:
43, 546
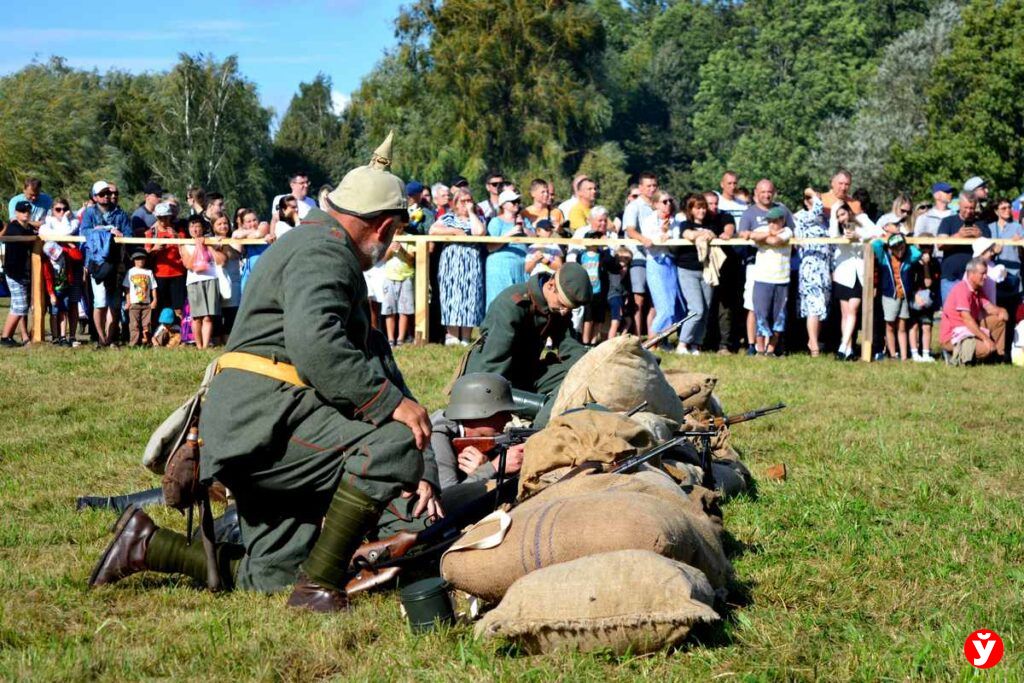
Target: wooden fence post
39, 300
422, 282
867, 304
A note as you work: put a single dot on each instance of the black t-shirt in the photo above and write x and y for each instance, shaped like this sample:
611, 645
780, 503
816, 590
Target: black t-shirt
16, 254
955, 257
686, 257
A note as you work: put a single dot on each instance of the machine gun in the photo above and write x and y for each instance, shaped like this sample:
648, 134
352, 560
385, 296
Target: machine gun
729, 420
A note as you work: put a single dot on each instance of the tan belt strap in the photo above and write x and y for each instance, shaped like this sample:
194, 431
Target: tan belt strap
258, 365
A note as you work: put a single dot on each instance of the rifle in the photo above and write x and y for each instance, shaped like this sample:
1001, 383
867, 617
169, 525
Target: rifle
378, 562
486, 444
662, 336
719, 422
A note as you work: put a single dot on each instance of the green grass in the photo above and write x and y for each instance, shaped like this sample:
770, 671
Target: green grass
898, 533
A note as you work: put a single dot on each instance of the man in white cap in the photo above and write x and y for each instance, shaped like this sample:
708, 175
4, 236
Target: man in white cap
103, 258
977, 187
309, 422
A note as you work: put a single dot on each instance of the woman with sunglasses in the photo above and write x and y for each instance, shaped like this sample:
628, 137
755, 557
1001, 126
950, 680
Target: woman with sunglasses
506, 263
460, 272
60, 222
898, 218
662, 280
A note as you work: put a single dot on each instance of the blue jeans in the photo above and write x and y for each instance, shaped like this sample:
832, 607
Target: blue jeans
945, 287
696, 294
664, 288
770, 307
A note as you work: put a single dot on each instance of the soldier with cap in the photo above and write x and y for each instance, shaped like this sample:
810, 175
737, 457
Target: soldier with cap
518, 325
308, 421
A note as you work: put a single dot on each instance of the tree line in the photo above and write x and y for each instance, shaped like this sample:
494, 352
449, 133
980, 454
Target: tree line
901, 92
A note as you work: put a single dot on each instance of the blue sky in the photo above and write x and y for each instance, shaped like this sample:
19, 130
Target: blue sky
279, 44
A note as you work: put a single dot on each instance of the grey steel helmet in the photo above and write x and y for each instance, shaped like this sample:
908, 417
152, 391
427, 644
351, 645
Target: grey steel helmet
479, 395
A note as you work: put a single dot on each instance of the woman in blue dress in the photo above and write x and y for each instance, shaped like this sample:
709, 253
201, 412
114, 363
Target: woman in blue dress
460, 274
248, 226
506, 263
815, 283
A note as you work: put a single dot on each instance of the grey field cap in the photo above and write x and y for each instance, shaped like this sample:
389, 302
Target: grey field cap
370, 189
479, 395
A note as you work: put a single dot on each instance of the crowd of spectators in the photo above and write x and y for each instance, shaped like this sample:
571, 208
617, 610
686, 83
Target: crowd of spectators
767, 297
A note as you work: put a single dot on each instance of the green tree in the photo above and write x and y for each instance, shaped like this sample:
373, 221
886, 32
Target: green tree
975, 117
309, 134
787, 66
892, 115
50, 128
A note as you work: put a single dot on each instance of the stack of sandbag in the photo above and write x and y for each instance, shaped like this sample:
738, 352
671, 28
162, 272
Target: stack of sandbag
588, 515
619, 374
575, 438
624, 601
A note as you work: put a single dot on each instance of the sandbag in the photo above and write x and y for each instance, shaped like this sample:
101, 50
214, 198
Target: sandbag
575, 438
548, 530
649, 481
686, 383
659, 426
625, 601
619, 374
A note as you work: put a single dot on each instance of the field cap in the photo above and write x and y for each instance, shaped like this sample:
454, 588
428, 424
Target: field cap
973, 184
573, 284
370, 189
775, 213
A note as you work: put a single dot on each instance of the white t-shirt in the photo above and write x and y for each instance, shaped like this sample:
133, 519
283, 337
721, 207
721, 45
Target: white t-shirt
929, 222
566, 206
848, 259
304, 205
771, 264
141, 284
733, 207
281, 229
190, 275
634, 215
58, 227
651, 228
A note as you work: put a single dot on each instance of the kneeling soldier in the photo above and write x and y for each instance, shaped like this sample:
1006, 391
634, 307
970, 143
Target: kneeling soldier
309, 420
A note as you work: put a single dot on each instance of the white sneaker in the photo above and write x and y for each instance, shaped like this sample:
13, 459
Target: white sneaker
681, 350
695, 352
463, 342
927, 358
449, 340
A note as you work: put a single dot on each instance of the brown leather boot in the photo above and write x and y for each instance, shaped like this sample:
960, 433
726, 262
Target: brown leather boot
126, 553
312, 596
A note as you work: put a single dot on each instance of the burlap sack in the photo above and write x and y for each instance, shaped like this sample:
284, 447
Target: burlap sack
626, 601
619, 374
686, 383
581, 436
660, 427
547, 531
649, 481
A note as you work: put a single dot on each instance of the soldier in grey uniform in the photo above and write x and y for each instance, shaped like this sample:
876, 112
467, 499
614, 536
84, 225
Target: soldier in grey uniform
308, 421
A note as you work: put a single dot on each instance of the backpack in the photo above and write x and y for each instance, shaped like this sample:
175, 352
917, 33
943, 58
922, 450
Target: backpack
97, 254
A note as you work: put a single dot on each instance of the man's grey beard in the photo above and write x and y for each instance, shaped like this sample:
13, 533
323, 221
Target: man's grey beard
376, 253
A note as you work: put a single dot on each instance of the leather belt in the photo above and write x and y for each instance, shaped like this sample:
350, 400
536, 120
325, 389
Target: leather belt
258, 365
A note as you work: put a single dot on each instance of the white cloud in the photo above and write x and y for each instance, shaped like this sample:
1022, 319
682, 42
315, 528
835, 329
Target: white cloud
340, 101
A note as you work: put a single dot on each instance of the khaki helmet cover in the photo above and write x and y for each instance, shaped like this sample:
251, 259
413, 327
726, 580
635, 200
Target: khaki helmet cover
479, 395
370, 189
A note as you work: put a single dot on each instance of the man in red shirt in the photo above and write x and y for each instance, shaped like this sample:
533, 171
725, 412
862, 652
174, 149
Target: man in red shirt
972, 327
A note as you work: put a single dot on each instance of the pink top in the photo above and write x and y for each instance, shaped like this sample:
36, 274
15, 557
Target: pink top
961, 298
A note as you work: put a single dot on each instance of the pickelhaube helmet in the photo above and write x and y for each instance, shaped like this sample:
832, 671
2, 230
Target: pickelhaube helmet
370, 189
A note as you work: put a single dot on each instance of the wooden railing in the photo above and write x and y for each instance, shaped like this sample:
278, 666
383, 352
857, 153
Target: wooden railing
422, 267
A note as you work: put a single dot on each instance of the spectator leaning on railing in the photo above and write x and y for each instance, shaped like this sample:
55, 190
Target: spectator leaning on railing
103, 258
17, 272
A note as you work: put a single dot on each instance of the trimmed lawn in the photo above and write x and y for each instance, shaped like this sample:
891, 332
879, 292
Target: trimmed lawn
898, 533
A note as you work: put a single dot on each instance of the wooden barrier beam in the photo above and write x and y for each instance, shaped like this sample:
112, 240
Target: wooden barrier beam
422, 284
38, 294
867, 304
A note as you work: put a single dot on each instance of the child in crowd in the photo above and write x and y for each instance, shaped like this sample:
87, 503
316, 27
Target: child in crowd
201, 282
620, 292
168, 331
62, 273
398, 301
594, 260
924, 294
229, 279
771, 278
896, 282
544, 258
139, 299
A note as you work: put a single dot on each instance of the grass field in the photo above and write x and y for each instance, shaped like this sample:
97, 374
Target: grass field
898, 533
